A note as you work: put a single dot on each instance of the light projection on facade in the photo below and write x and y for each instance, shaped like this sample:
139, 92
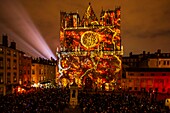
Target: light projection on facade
90, 48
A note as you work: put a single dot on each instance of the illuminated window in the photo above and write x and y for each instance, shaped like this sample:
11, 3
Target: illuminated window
1, 78
1, 51
8, 52
15, 77
42, 78
15, 64
14, 54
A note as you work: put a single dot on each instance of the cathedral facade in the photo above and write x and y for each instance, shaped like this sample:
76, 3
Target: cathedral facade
91, 49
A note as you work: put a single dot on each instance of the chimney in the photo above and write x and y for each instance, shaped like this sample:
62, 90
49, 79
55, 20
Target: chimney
148, 53
130, 54
144, 52
13, 45
159, 51
5, 40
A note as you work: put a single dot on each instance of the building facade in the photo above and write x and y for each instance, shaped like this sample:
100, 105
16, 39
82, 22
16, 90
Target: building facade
9, 66
147, 72
91, 48
25, 63
43, 71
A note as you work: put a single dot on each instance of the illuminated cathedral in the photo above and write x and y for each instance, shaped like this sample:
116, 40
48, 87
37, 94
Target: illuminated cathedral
90, 48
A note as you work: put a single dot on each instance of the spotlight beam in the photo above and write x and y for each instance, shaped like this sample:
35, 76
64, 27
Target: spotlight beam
21, 42
25, 28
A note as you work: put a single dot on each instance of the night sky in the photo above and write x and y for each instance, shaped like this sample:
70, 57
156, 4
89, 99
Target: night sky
144, 23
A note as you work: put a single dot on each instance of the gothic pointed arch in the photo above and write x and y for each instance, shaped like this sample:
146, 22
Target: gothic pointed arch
89, 17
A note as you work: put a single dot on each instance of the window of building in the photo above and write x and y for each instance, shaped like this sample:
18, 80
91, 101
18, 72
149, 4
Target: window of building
32, 79
142, 74
142, 80
152, 74
1, 78
20, 72
156, 89
136, 88
164, 63
1, 63
137, 82
8, 63
39, 71
28, 71
15, 77
131, 74
24, 71
14, 54
41, 78
1, 50
163, 74
33, 71
15, 64
8, 77
8, 52
130, 88
168, 62
1, 91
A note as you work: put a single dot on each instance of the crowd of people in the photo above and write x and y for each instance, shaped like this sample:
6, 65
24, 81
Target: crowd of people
52, 100
56, 100
120, 103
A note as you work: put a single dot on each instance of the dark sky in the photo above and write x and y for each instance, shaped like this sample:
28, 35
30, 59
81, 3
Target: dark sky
144, 23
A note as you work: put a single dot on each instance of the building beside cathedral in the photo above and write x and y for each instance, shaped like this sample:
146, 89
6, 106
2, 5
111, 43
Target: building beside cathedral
18, 71
91, 50
147, 72
15, 70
